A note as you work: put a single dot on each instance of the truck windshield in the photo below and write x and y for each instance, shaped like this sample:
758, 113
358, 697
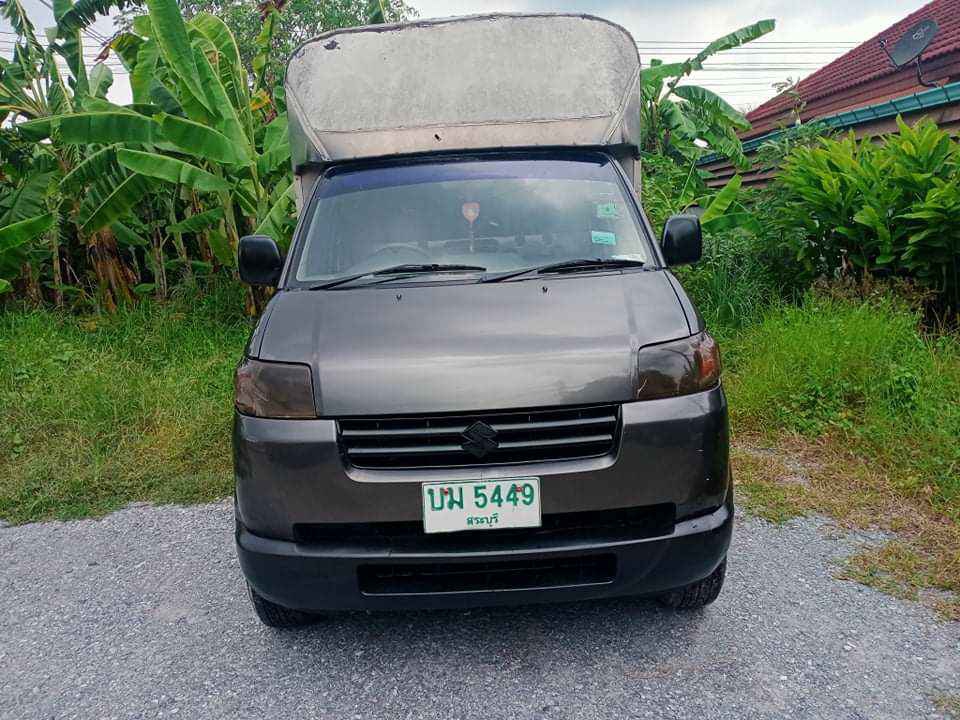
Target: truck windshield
499, 215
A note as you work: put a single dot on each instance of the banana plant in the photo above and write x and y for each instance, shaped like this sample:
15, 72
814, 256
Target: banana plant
192, 127
33, 87
684, 121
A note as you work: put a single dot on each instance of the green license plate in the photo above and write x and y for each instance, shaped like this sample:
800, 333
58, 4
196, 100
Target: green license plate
481, 505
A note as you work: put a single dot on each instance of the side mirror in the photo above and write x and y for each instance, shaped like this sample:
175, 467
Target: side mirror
682, 241
259, 260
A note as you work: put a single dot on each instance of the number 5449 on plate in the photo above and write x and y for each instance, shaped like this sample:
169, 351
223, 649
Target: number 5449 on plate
481, 505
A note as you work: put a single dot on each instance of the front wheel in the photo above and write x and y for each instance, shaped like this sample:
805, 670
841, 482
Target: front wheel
698, 594
277, 616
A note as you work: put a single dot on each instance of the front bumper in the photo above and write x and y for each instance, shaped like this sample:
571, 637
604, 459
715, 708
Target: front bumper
332, 576
292, 481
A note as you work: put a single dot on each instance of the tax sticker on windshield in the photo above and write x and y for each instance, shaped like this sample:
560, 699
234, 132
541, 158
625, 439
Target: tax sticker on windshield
601, 237
608, 211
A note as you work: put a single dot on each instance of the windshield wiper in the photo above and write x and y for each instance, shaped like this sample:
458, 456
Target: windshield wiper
405, 269
428, 267
568, 266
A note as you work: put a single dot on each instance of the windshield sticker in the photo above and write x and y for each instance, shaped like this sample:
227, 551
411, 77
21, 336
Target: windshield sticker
471, 211
600, 237
608, 211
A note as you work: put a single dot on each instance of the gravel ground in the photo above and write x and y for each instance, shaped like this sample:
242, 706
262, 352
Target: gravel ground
142, 615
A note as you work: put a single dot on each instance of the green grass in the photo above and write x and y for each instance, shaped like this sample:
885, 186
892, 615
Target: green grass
861, 373
96, 412
843, 407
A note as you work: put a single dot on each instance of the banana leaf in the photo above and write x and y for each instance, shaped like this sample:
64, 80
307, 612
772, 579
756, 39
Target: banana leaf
232, 74
171, 33
98, 165
652, 77
59, 99
722, 200
742, 220
16, 15
219, 34
127, 45
125, 235
101, 78
165, 99
171, 170
229, 122
712, 103
279, 216
221, 248
276, 145
84, 12
18, 233
198, 222
735, 39
199, 140
71, 47
117, 204
28, 199
105, 128
142, 76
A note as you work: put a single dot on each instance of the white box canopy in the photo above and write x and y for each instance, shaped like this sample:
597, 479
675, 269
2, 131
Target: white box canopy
480, 82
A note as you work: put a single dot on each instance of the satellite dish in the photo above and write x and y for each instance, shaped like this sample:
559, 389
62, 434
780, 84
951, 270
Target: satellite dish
910, 47
913, 42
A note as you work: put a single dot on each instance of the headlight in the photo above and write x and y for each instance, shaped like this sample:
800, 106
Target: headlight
680, 367
274, 390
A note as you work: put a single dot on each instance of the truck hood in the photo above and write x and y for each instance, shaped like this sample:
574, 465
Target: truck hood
462, 347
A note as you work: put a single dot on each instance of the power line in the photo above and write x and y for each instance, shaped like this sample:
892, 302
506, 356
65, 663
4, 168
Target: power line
732, 85
766, 69
753, 53
671, 44
704, 43
754, 47
89, 32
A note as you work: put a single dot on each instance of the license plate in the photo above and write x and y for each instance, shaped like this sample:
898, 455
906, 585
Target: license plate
481, 505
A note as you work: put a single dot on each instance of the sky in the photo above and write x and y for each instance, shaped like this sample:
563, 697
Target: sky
809, 34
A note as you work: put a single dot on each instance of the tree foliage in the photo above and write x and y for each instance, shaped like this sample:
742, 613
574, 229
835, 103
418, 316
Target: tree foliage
102, 202
685, 121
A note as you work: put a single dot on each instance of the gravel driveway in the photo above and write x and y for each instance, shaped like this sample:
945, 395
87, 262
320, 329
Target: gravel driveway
142, 614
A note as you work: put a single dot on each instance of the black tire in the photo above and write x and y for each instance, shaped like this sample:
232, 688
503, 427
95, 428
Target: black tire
277, 616
698, 594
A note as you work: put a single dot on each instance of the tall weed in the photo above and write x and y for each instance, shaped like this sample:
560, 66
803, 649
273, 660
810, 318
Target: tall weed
861, 371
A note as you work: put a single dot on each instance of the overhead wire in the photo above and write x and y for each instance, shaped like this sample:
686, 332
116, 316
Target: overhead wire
741, 71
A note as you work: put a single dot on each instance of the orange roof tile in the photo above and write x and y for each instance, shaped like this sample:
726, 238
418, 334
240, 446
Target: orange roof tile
868, 61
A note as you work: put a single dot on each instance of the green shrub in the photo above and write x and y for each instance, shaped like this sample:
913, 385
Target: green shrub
860, 370
877, 208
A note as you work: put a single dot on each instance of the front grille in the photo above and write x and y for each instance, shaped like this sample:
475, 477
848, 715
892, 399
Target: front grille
419, 579
521, 437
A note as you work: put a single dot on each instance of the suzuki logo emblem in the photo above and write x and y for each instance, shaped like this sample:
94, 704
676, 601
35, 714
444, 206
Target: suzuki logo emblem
480, 439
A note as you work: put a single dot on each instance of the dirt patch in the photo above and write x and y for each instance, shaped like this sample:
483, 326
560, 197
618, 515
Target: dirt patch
792, 476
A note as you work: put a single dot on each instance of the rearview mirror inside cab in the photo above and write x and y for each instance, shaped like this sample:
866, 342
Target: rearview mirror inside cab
682, 241
259, 260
